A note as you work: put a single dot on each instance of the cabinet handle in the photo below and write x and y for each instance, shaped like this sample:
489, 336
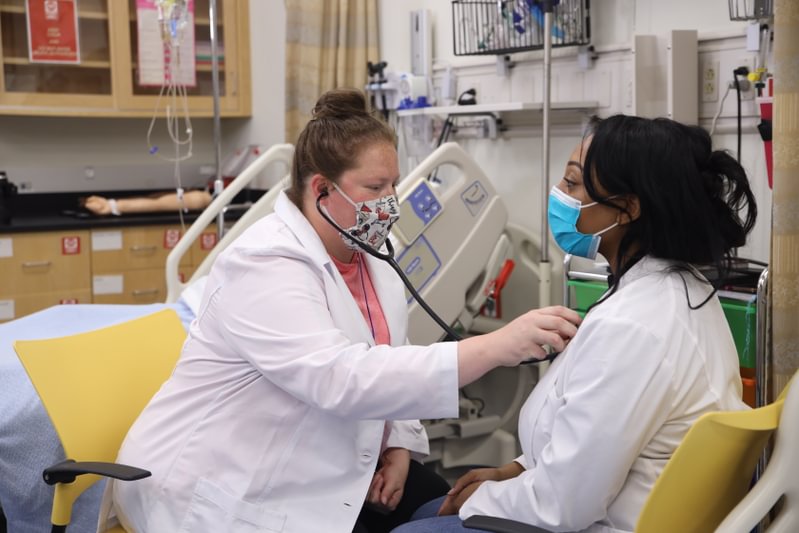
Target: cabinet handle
36, 264
143, 248
144, 292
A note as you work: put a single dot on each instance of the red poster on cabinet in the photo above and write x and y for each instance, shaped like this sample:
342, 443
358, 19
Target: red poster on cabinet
53, 31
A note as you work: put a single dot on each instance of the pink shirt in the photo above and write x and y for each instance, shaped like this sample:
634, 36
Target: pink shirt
356, 276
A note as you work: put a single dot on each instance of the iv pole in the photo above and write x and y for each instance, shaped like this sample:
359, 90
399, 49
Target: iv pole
545, 267
218, 183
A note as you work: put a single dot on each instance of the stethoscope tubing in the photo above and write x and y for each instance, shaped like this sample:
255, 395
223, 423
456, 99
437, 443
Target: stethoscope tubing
389, 258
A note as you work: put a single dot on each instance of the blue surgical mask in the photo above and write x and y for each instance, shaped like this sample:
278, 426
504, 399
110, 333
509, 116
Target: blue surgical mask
563, 213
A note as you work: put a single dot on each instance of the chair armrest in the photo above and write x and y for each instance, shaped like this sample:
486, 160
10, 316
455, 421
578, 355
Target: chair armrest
67, 471
501, 525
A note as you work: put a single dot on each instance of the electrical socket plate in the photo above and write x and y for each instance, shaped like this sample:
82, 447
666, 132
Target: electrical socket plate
710, 81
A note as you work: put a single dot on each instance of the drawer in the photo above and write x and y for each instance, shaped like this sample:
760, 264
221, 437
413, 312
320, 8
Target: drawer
20, 305
144, 286
133, 248
44, 262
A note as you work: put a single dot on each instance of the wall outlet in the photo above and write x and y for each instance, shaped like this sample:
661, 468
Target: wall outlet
709, 80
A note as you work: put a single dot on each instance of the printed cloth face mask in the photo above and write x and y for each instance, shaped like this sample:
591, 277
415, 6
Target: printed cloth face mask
562, 214
373, 220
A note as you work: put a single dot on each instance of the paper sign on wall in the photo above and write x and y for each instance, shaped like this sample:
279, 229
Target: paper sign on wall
53, 31
171, 238
6, 309
106, 240
70, 245
207, 241
165, 57
6, 247
107, 284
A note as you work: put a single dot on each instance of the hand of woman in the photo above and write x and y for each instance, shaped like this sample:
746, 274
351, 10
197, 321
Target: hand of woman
388, 483
452, 503
524, 338
471, 480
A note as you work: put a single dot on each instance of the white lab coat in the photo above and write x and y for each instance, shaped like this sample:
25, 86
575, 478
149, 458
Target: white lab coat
610, 411
274, 417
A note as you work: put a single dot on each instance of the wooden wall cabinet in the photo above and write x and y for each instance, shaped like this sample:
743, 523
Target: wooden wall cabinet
117, 266
105, 82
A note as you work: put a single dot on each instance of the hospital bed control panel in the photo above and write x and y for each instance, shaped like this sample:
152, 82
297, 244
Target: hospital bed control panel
418, 210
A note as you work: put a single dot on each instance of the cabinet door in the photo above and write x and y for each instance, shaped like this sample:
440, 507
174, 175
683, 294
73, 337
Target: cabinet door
21, 305
44, 262
134, 248
56, 88
144, 286
233, 54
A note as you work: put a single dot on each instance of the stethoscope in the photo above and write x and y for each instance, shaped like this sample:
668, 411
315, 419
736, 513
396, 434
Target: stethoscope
389, 258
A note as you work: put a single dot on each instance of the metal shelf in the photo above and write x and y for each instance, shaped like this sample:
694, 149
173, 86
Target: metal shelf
504, 107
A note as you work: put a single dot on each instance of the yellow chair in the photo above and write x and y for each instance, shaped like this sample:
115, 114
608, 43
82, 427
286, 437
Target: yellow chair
780, 481
93, 386
709, 473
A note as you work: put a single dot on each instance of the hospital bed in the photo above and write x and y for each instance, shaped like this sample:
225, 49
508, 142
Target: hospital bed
278, 154
452, 239
451, 243
28, 442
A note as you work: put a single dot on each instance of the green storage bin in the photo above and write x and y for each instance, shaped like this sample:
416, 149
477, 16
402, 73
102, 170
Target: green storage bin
586, 293
741, 316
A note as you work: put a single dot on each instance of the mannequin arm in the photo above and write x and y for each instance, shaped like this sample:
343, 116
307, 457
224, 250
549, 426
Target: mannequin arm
193, 200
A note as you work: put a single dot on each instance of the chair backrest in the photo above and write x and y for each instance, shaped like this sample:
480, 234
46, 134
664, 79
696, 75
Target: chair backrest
710, 472
93, 385
780, 480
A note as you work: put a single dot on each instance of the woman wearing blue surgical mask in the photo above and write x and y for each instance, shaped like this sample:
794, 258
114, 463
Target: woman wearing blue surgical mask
650, 357
293, 404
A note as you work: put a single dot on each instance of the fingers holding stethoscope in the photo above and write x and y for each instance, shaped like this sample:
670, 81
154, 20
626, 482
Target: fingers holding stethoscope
523, 340
535, 330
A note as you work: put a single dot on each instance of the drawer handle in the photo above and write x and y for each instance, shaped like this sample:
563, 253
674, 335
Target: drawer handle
142, 248
36, 264
144, 292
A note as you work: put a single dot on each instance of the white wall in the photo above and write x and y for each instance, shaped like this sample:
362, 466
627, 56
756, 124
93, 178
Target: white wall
267, 52
514, 163
612, 22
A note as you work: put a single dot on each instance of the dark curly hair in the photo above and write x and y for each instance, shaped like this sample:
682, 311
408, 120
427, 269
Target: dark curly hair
696, 205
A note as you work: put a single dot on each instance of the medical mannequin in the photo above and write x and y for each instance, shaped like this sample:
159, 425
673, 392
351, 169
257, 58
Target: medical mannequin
292, 405
650, 357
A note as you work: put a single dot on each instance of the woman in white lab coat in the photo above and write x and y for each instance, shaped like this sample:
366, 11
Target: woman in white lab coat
651, 356
292, 403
